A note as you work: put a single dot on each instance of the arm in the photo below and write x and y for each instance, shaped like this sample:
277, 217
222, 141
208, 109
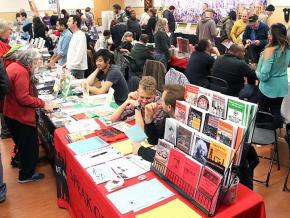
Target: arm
246, 35
92, 78
33, 8
228, 29
264, 71
263, 42
233, 33
213, 30
249, 73
102, 90
147, 153
139, 118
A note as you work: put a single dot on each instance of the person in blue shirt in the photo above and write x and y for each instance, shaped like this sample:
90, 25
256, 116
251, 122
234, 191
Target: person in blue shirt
24, 22
272, 73
255, 38
63, 43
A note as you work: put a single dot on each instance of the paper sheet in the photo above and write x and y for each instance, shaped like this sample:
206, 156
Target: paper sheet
172, 209
101, 173
125, 146
86, 146
136, 134
139, 196
82, 125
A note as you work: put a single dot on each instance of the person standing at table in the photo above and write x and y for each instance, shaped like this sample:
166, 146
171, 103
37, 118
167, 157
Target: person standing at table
107, 75
135, 104
272, 73
151, 25
255, 38
162, 42
200, 63
171, 93
206, 27
239, 28
168, 14
264, 17
144, 18
60, 53
77, 51
119, 15
19, 112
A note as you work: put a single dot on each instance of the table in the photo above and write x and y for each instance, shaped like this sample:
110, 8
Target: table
179, 62
78, 193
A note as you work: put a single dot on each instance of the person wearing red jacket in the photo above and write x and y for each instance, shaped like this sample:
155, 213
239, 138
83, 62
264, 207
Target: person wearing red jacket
19, 112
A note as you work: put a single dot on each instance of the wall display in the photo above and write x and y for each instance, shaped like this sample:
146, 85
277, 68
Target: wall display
135, 3
190, 11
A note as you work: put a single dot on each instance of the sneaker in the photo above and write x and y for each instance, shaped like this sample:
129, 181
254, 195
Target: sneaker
2, 199
35, 177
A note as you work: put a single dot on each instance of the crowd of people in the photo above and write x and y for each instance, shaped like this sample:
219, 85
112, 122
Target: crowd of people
258, 52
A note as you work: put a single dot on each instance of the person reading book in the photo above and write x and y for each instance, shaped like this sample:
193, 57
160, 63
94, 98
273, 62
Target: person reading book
170, 95
136, 102
107, 76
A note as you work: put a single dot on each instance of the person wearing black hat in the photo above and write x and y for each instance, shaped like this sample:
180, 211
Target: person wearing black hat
255, 38
264, 17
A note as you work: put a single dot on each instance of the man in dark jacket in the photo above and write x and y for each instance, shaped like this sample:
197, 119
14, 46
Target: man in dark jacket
255, 38
232, 68
140, 53
168, 14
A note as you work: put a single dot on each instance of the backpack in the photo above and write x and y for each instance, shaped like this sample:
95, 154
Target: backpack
4, 83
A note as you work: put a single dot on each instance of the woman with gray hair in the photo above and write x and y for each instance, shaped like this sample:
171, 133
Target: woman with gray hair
19, 112
162, 41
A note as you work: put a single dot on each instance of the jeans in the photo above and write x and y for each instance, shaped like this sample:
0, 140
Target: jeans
3, 189
26, 139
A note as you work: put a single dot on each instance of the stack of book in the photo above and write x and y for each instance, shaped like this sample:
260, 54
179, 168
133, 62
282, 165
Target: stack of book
203, 141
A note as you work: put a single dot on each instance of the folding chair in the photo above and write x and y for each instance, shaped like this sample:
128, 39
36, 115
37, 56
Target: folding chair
217, 84
287, 138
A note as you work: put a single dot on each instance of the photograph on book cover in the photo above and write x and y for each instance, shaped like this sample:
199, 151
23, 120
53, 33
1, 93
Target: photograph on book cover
200, 149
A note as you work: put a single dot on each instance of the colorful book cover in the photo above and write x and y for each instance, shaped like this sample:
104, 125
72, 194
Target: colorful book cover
237, 111
170, 132
162, 155
219, 156
184, 138
175, 166
204, 98
226, 133
210, 125
190, 174
239, 145
80, 116
207, 191
74, 137
195, 118
218, 105
200, 148
191, 93
181, 111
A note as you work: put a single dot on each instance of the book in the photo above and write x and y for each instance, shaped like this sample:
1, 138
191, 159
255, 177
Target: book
238, 111
88, 145
208, 187
99, 156
175, 165
195, 118
80, 116
162, 152
136, 133
190, 174
210, 125
170, 132
239, 145
218, 105
204, 98
226, 132
219, 156
184, 138
74, 137
181, 111
200, 148
191, 93
82, 125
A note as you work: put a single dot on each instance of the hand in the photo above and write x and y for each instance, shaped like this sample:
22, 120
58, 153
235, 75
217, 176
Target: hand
132, 102
135, 146
248, 41
215, 50
253, 66
150, 109
48, 107
133, 95
50, 65
257, 42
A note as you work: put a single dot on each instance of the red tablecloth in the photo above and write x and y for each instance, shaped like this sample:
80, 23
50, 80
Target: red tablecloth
179, 62
77, 192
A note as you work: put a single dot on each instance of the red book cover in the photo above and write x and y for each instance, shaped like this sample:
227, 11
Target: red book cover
191, 93
190, 174
80, 116
208, 189
175, 165
181, 111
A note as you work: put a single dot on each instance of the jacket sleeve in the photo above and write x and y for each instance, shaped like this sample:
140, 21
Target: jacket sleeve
249, 73
246, 35
147, 153
228, 29
233, 32
155, 131
213, 30
263, 42
22, 94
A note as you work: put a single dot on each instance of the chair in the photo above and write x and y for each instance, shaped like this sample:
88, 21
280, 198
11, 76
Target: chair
217, 84
134, 71
287, 138
265, 134
157, 70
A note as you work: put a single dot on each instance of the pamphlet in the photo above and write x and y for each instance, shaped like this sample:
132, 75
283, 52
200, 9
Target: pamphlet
101, 173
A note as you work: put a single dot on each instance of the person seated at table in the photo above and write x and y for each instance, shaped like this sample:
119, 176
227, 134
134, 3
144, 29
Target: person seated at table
140, 52
171, 93
104, 42
20, 115
126, 44
107, 76
136, 102
200, 63
232, 68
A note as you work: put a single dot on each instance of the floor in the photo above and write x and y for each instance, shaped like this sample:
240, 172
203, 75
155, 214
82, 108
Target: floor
38, 199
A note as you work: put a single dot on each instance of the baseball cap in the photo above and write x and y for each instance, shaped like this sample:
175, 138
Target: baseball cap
253, 18
270, 8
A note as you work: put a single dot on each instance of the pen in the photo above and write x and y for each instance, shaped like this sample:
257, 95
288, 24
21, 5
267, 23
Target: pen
99, 154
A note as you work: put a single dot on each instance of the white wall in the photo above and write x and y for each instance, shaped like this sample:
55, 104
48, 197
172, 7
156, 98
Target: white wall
282, 3
15, 5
